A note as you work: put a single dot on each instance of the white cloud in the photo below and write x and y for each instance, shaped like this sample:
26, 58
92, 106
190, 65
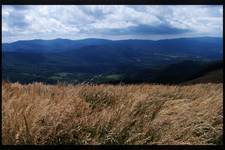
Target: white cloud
28, 22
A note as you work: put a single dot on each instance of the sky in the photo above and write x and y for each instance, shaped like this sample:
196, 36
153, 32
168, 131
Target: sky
115, 22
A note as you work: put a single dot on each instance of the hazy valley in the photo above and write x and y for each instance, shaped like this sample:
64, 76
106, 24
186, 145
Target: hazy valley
106, 61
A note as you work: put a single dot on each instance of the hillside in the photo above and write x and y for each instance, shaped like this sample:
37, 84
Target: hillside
76, 61
112, 114
177, 73
215, 76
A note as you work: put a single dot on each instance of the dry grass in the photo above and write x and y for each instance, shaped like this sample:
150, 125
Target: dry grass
112, 114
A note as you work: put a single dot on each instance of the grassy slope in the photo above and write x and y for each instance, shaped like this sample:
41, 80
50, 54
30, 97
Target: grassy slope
215, 76
107, 114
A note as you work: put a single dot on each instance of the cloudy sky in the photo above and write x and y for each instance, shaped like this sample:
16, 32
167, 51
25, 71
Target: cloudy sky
110, 22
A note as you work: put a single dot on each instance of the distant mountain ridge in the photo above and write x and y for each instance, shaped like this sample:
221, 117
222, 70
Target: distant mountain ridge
55, 45
60, 45
86, 59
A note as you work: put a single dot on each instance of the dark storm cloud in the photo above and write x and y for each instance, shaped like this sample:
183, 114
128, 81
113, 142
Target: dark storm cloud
19, 7
17, 20
147, 29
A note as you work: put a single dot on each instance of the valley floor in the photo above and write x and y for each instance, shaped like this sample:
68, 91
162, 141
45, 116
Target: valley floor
112, 114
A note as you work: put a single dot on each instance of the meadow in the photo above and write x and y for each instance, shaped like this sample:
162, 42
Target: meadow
112, 114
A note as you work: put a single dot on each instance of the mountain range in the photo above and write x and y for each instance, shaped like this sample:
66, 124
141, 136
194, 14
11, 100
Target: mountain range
108, 61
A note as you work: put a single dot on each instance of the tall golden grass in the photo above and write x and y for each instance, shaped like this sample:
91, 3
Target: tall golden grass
112, 114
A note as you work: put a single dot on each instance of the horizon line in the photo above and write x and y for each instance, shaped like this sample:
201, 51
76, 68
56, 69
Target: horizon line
52, 39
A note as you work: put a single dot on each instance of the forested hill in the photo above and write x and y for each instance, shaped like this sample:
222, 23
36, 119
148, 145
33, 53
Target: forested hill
105, 61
